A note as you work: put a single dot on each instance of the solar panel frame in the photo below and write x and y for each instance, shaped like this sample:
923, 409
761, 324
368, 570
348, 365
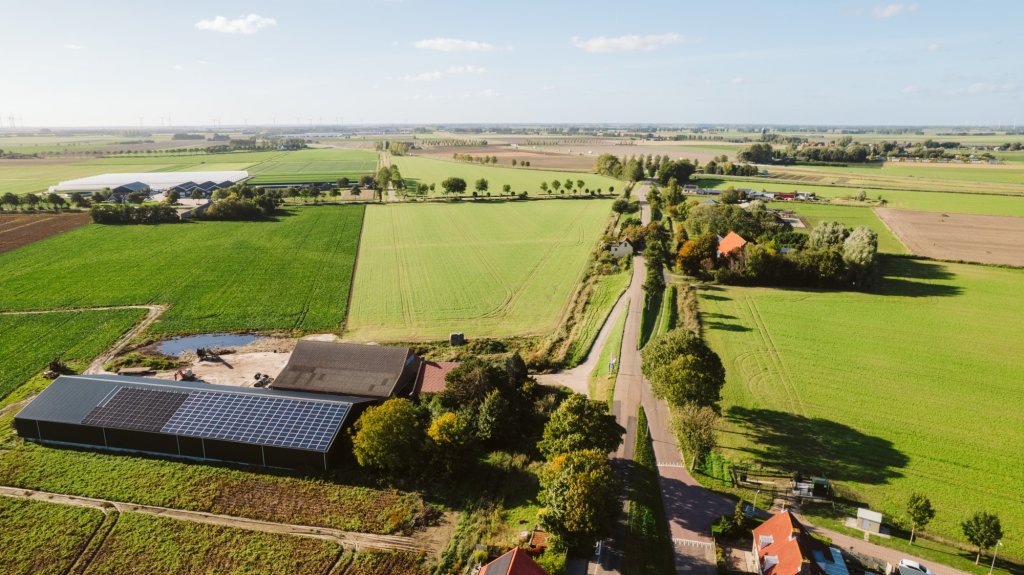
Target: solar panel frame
136, 409
292, 423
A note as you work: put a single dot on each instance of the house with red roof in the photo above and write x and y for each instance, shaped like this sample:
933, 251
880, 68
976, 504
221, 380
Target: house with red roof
783, 546
431, 377
515, 562
731, 245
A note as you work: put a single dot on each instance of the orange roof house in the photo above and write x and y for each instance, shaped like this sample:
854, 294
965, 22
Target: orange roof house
431, 378
783, 546
515, 562
730, 244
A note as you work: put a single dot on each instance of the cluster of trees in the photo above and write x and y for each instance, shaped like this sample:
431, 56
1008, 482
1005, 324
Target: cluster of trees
523, 163
477, 159
244, 203
841, 151
687, 374
396, 148
569, 185
629, 169
128, 214
34, 201
723, 167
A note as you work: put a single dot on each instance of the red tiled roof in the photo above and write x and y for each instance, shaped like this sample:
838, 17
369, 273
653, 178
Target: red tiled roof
791, 545
431, 376
515, 562
730, 243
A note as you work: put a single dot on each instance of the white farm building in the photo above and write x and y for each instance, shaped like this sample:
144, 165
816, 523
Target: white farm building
151, 181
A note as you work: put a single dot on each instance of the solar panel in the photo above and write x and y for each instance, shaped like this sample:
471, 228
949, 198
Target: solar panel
258, 419
135, 408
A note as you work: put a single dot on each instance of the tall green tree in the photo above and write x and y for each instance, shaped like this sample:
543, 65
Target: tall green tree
827, 235
694, 428
860, 252
682, 369
452, 436
390, 437
920, 510
481, 185
578, 492
983, 530
453, 185
578, 424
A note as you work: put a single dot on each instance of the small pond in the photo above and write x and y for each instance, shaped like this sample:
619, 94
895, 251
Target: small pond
178, 345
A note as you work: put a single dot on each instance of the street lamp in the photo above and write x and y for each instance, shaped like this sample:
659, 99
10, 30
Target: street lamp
995, 551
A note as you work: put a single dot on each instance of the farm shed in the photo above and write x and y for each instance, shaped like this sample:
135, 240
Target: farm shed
515, 562
783, 546
157, 181
870, 521
191, 420
373, 371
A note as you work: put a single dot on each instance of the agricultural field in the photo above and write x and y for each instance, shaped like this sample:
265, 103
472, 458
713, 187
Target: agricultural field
983, 204
984, 239
43, 538
315, 165
911, 388
30, 341
431, 171
852, 216
217, 276
486, 269
150, 544
963, 178
17, 230
605, 293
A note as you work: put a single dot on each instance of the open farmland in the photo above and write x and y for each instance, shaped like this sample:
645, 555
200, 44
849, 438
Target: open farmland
216, 276
488, 269
148, 544
963, 178
315, 165
30, 341
852, 216
17, 230
984, 239
984, 204
431, 171
911, 388
43, 538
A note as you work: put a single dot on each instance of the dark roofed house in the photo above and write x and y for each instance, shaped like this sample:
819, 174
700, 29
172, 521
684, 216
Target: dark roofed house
191, 420
374, 371
783, 546
515, 562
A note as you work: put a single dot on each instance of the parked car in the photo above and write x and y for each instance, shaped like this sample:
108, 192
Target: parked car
911, 564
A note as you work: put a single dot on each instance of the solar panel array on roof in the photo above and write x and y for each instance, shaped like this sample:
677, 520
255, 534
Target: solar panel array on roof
135, 408
263, 420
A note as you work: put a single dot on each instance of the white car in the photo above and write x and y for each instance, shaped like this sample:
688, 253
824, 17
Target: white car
911, 564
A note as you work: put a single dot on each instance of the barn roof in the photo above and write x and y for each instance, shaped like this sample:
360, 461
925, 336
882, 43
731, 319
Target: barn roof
432, 376
347, 369
515, 562
730, 243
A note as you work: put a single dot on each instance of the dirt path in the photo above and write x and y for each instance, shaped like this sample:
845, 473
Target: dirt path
348, 539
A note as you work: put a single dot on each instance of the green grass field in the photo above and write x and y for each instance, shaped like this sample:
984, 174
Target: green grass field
603, 297
289, 274
486, 269
42, 538
852, 216
915, 387
148, 544
602, 379
984, 204
315, 165
29, 342
952, 172
428, 170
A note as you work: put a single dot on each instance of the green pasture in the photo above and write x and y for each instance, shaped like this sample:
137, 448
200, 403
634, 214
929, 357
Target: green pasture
293, 273
852, 216
915, 387
983, 204
431, 171
320, 164
488, 269
41, 538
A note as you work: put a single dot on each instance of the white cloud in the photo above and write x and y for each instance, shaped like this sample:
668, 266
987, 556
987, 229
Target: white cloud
424, 77
891, 10
451, 71
629, 43
203, 63
75, 47
469, 69
991, 88
250, 24
740, 80
911, 89
934, 47
179, 67
453, 45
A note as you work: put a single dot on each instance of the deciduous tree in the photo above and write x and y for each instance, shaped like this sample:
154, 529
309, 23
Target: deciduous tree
983, 530
920, 510
578, 492
389, 437
682, 369
578, 424
694, 427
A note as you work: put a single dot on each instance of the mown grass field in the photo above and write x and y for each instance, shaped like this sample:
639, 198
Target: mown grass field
289, 274
486, 269
40, 538
915, 387
30, 341
852, 216
430, 171
315, 165
902, 199
148, 544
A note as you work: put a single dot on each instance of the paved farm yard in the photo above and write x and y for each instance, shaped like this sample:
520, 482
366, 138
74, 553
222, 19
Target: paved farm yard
482, 268
913, 388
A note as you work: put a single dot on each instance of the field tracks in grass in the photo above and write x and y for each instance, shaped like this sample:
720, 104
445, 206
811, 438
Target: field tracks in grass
776, 366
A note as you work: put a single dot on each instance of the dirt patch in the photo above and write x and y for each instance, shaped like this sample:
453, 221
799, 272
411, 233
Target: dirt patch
17, 230
237, 366
972, 238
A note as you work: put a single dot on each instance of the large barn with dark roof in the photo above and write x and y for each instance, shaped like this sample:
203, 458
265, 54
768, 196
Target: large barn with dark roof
369, 371
192, 420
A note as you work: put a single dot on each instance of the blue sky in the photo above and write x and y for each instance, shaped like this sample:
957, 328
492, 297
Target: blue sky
395, 61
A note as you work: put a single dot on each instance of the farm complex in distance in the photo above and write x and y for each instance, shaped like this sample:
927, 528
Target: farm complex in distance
430, 294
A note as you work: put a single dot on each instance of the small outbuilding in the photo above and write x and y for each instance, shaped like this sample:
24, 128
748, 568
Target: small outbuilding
371, 371
620, 249
870, 521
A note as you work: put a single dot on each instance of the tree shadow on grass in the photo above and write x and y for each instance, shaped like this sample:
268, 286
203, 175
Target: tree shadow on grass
816, 445
901, 276
723, 326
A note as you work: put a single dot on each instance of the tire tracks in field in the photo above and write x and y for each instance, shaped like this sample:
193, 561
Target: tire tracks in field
473, 246
402, 266
775, 358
